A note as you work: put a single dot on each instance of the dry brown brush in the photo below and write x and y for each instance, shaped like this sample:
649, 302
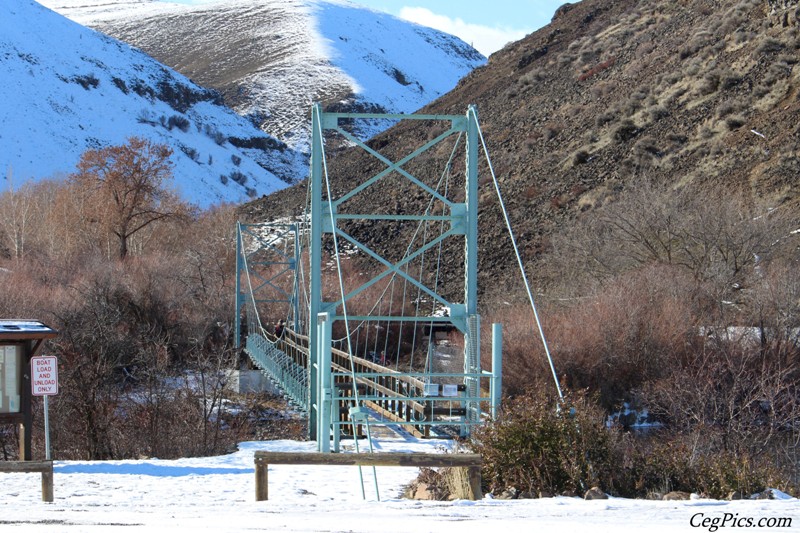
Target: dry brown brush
144, 343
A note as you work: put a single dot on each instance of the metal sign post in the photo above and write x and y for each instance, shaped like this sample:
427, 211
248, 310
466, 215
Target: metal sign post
44, 382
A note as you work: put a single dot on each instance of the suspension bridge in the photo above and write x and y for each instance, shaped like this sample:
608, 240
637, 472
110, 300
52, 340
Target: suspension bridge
360, 332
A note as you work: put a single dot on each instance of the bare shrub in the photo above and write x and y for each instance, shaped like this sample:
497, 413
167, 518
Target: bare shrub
734, 122
714, 237
190, 152
215, 134
729, 80
238, 176
86, 81
178, 121
727, 107
605, 118
532, 77
664, 461
622, 336
657, 112
626, 131
124, 353
539, 445
551, 131
580, 157
143, 341
770, 45
709, 84
737, 389
741, 36
602, 89
777, 71
565, 59
700, 40
646, 150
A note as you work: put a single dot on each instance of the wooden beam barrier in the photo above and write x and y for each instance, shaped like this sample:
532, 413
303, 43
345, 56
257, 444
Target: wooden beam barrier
45, 467
468, 461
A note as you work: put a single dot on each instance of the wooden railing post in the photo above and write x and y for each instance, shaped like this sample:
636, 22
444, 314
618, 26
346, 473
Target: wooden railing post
475, 482
47, 485
468, 465
262, 480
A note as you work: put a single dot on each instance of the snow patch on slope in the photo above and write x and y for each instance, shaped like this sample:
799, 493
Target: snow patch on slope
67, 89
283, 55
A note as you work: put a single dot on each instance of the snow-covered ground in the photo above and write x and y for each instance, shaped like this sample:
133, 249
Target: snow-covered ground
218, 494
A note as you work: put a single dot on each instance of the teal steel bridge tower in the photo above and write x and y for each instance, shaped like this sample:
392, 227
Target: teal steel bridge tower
331, 359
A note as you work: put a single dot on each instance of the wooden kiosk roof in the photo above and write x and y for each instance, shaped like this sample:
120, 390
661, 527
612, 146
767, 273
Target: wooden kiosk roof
24, 330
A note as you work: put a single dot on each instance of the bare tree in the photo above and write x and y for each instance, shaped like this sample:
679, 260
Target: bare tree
128, 185
718, 238
15, 214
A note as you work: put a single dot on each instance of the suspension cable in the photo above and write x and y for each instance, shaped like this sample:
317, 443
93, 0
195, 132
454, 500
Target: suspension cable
438, 268
516, 252
252, 298
444, 178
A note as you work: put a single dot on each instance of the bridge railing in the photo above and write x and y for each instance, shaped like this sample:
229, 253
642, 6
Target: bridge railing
285, 362
403, 400
417, 401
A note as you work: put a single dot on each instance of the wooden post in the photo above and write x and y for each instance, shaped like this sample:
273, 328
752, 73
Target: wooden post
23, 450
474, 477
26, 436
47, 484
262, 480
43, 467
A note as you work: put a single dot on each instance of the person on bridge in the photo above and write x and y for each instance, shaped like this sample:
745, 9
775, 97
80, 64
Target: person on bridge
279, 329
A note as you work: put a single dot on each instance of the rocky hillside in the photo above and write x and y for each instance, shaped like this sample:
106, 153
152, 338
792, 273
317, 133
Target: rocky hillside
610, 95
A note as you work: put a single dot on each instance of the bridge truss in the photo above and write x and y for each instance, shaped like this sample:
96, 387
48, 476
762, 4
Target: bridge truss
355, 325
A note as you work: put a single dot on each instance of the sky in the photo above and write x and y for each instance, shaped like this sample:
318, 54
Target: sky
487, 25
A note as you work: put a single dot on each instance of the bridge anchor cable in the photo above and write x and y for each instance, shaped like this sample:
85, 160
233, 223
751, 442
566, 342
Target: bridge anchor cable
516, 253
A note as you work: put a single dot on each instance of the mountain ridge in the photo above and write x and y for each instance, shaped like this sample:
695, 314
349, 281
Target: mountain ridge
271, 61
67, 89
62, 78
607, 96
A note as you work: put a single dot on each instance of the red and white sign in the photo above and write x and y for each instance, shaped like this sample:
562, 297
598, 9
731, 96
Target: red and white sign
44, 376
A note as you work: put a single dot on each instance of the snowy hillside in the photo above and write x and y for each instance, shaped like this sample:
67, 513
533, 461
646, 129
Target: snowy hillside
66, 89
271, 60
